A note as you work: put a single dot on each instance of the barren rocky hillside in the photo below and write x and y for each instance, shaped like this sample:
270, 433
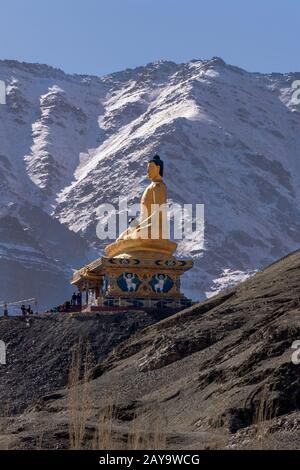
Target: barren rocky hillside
39, 350
218, 374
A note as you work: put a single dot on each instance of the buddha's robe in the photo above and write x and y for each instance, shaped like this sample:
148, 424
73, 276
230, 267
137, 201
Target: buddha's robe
153, 215
153, 220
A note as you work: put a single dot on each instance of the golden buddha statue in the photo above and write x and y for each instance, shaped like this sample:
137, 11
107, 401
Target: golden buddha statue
139, 269
150, 234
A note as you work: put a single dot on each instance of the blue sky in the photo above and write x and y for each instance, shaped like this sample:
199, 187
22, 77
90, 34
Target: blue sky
103, 36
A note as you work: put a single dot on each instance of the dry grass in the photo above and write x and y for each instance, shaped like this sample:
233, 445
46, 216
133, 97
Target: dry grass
79, 400
145, 432
147, 437
104, 437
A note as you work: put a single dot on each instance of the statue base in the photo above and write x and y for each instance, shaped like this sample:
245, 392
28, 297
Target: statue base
140, 280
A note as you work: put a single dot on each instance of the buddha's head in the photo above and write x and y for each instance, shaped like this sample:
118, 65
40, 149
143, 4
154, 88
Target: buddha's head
155, 168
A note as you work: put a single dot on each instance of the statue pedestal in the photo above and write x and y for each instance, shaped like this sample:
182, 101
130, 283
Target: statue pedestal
142, 279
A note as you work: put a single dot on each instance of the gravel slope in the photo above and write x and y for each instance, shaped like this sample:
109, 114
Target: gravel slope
207, 373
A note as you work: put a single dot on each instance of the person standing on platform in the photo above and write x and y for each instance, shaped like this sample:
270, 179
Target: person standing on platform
78, 299
5, 311
74, 298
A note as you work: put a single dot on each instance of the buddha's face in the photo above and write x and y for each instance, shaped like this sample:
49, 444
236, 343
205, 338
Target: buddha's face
153, 171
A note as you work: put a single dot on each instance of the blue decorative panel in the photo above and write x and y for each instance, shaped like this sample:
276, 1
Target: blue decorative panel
128, 282
161, 283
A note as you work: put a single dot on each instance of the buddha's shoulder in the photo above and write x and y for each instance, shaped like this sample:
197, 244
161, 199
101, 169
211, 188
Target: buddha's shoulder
159, 184
155, 186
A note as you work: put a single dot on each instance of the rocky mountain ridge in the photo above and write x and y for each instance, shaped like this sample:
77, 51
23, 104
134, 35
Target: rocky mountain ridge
68, 143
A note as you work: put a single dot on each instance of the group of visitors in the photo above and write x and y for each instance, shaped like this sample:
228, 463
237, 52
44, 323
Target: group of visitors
26, 311
67, 306
76, 301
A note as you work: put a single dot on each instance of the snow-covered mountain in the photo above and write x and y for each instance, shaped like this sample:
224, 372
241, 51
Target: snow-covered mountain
230, 139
